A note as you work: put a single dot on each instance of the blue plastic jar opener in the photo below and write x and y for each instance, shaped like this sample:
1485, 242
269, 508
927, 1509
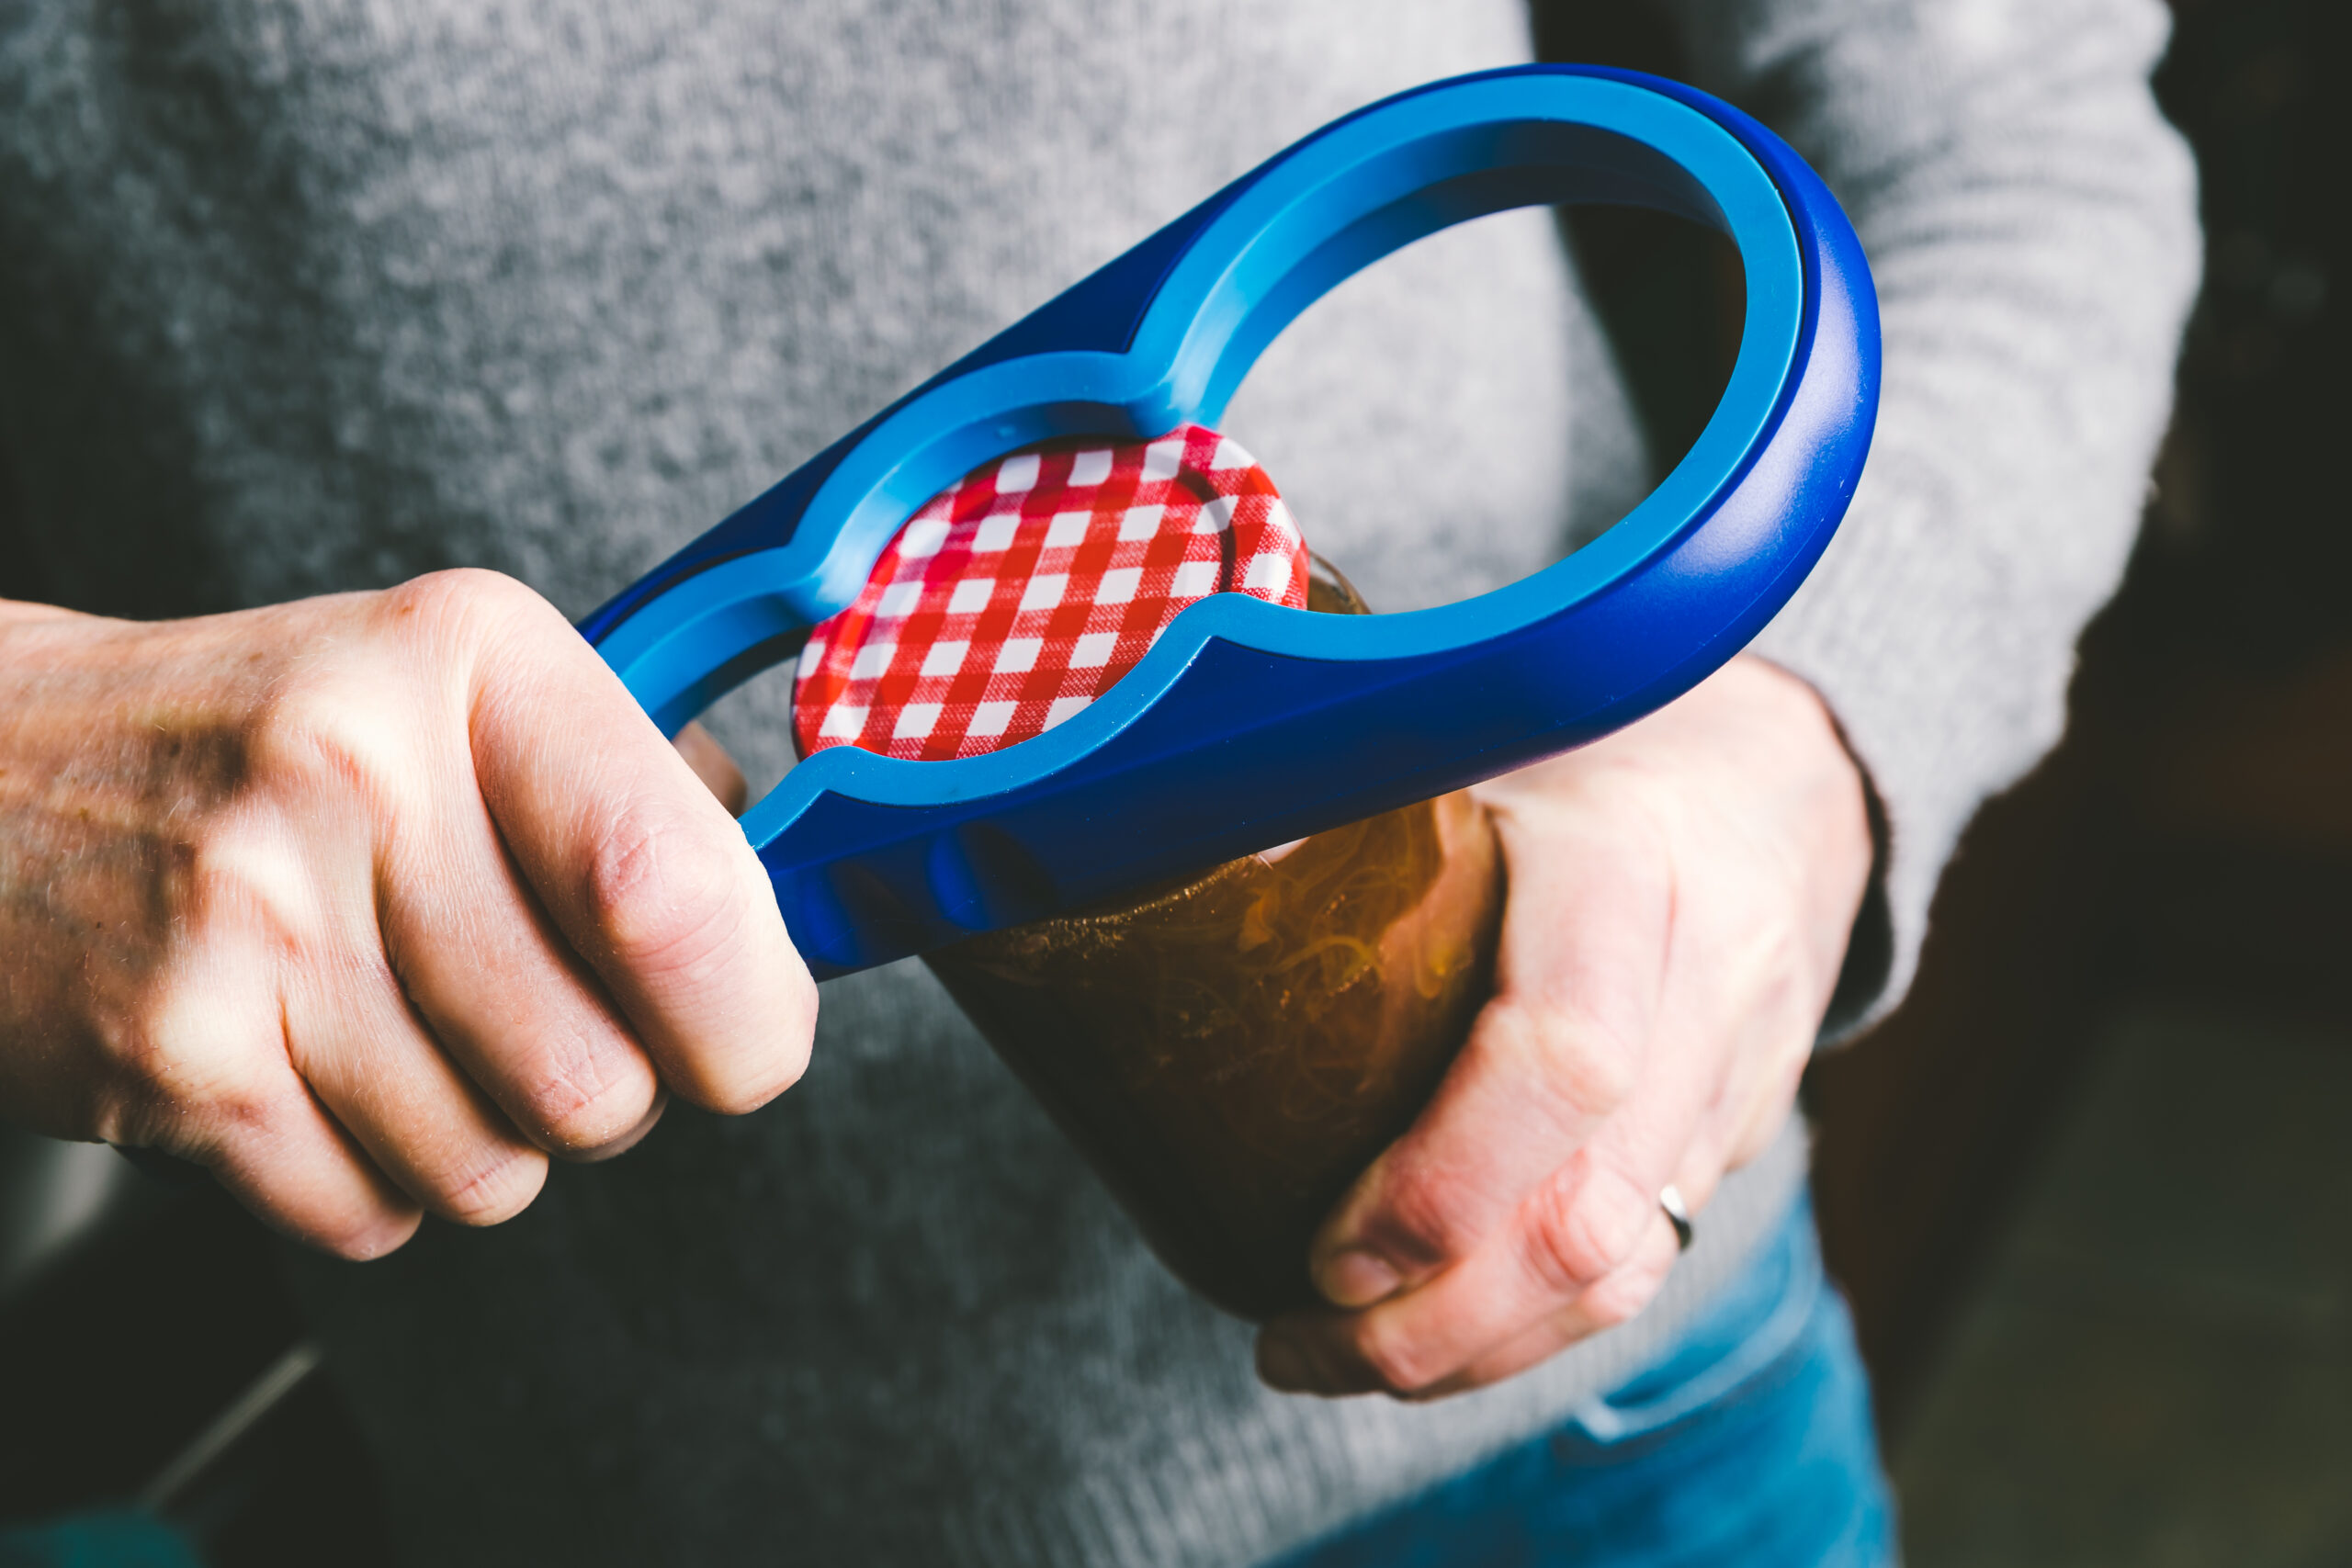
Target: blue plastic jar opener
1311, 720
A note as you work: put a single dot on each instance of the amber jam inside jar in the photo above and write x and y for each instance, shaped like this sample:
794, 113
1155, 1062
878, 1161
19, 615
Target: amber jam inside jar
1232, 1051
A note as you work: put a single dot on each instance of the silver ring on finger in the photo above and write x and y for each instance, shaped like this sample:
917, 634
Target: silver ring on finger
1678, 1214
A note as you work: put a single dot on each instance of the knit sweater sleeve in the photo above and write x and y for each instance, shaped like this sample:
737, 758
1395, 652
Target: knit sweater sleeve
2030, 224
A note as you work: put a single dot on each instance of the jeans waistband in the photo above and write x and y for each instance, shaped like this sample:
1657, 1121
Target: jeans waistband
1757, 1318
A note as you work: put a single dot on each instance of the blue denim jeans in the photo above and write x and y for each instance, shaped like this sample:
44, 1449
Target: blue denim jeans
1749, 1442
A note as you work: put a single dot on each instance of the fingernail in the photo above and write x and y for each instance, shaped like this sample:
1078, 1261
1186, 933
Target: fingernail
1282, 1364
1357, 1277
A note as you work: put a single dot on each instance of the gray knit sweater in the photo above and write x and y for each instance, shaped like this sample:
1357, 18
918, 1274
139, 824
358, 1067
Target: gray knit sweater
300, 295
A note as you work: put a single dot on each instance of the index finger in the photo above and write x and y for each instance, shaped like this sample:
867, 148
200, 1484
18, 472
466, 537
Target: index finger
640, 867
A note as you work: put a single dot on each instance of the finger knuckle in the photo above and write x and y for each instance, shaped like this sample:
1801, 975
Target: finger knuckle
492, 1185
1587, 1063
1620, 1297
462, 604
332, 736
1400, 1360
1597, 1064
1764, 952
1572, 1242
145, 1070
255, 900
1421, 1217
667, 899
177, 1072
582, 1095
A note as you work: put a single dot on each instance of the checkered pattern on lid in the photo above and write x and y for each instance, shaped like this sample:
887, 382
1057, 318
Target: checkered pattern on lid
1018, 595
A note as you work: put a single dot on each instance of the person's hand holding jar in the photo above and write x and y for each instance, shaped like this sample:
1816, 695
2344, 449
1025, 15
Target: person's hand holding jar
1681, 898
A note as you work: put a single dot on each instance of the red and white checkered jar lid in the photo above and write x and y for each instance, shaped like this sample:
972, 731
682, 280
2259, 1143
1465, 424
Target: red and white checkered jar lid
1018, 595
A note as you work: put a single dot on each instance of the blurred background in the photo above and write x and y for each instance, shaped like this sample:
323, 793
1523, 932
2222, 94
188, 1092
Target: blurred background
2091, 1189
2088, 1189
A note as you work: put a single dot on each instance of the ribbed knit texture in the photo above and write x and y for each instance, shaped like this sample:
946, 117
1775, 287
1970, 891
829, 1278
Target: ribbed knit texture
318, 294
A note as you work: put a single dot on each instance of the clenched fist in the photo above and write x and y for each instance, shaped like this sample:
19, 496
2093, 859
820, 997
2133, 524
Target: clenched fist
369, 904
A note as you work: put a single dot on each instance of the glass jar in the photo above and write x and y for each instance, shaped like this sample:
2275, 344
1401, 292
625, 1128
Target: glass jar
1232, 1051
